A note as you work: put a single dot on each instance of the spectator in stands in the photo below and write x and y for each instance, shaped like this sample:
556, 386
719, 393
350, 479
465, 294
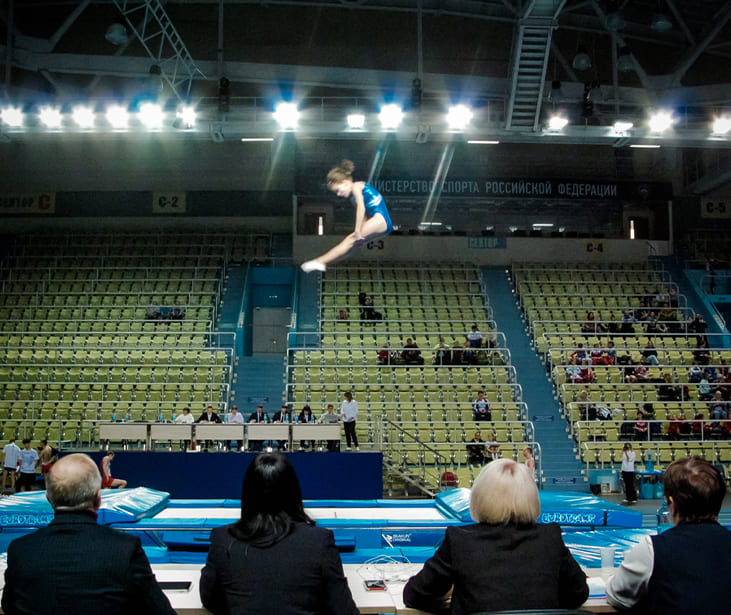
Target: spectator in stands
349, 412
586, 405
597, 355
274, 559
673, 432
476, 450
475, 337
11, 455
628, 473
695, 373
642, 431
384, 355
411, 353
639, 373
699, 426
573, 372
684, 569
506, 561
442, 354
702, 355
368, 312
586, 374
493, 447
628, 320
646, 412
236, 418
74, 565
591, 326
649, 354
579, 354
457, 352
611, 353
469, 355
717, 408
704, 389
698, 325
108, 481
481, 408
28, 461
668, 391
330, 418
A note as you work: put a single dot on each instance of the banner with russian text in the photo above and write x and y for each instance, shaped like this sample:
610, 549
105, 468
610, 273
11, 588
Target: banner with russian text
28, 204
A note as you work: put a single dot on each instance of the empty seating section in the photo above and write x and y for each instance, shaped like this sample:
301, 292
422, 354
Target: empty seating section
95, 327
419, 413
555, 300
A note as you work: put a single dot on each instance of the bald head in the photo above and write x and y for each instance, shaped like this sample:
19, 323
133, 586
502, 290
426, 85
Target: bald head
74, 483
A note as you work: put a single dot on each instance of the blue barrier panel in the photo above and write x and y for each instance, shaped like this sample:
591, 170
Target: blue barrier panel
349, 476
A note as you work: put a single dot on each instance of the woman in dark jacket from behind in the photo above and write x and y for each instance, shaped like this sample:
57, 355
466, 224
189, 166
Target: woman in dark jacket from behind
274, 559
507, 561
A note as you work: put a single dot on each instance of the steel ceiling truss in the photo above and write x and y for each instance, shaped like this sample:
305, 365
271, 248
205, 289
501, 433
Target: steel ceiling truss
157, 34
530, 61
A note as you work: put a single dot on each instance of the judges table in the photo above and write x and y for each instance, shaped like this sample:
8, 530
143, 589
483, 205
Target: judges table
170, 431
123, 431
315, 431
219, 431
267, 431
187, 602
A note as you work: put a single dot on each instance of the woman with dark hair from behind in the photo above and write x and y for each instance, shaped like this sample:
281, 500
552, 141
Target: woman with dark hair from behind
274, 559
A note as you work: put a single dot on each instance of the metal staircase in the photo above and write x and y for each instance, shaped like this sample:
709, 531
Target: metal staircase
530, 59
162, 42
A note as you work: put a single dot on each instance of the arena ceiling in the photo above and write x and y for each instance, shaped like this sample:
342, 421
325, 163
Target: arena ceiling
513, 61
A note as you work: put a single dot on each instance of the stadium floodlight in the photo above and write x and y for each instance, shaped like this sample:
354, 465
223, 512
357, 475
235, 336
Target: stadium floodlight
287, 115
660, 121
459, 116
151, 116
185, 117
50, 117
622, 126
118, 117
83, 116
557, 122
356, 121
12, 116
391, 116
721, 125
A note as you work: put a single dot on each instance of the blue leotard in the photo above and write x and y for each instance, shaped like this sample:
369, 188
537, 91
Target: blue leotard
375, 204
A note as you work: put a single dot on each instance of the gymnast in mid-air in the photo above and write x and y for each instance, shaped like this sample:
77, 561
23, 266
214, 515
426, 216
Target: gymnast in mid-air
371, 216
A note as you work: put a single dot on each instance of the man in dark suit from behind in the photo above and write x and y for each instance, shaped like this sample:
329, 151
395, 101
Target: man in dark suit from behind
75, 566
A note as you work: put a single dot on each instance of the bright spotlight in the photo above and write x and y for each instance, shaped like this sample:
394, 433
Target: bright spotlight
286, 115
50, 117
660, 121
622, 126
391, 116
83, 116
459, 116
721, 125
356, 121
12, 116
186, 117
557, 122
151, 115
118, 117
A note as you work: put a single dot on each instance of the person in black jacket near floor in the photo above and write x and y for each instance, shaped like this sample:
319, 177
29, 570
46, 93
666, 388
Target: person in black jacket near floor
274, 559
75, 566
506, 561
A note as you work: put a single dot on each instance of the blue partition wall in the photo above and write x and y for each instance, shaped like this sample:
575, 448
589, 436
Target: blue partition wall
347, 476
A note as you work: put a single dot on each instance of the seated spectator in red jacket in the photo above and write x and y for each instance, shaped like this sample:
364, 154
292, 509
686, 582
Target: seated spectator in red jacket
585, 372
580, 353
597, 355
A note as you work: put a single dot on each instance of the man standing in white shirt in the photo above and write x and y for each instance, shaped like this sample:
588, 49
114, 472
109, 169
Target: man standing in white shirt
11, 454
28, 461
349, 410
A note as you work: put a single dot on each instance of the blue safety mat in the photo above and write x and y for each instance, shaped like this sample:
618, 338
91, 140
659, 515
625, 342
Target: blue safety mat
32, 509
568, 509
